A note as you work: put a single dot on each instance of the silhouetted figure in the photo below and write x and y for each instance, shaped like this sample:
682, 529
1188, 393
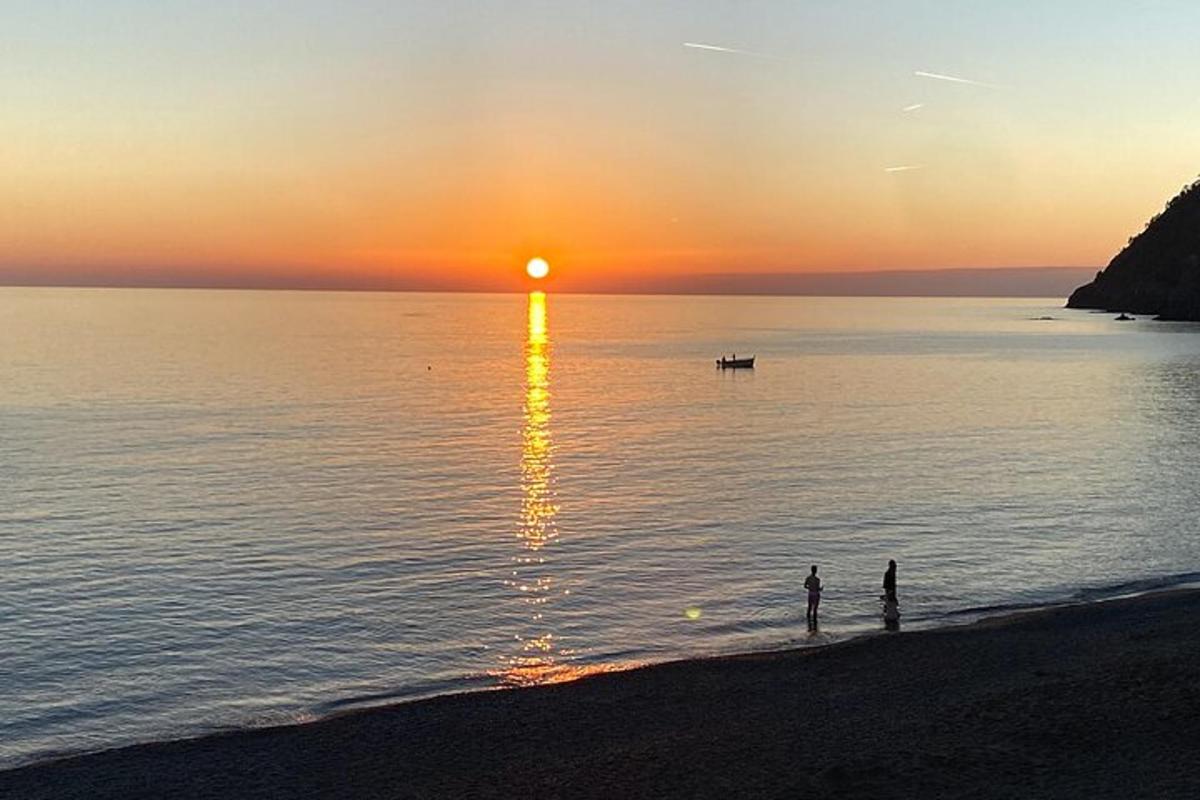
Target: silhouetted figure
813, 584
891, 606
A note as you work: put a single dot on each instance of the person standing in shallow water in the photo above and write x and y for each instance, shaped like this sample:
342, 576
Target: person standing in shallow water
813, 584
889, 583
891, 606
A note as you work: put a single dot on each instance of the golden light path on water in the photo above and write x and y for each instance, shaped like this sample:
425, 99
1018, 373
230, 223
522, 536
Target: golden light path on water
537, 659
540, 658
537, 491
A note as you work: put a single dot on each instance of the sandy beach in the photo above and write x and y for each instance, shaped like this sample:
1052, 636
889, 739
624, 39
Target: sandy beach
1094, 701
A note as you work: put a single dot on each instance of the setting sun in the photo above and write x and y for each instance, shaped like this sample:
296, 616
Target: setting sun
537, 268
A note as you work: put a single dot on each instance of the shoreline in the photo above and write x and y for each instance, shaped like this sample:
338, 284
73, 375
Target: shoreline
742, 724
340, 706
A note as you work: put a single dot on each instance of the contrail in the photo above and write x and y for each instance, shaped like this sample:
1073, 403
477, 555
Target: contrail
913, 107
939, 77
719, 49
904, 168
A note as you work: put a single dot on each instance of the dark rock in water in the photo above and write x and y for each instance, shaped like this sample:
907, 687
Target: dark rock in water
1158, 272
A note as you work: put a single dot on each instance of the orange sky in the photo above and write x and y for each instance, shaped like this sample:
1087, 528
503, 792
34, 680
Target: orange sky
440, 147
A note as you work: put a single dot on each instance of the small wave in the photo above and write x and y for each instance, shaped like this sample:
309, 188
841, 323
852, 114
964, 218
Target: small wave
407, 693
1086, 594
996, 608
1140, 586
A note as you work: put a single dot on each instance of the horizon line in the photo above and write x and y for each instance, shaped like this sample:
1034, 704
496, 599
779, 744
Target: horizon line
526, 291
1050, 281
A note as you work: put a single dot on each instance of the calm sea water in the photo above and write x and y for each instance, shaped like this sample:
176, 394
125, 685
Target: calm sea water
222, 509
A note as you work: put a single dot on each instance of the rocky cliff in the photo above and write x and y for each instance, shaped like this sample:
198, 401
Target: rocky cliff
1158, 272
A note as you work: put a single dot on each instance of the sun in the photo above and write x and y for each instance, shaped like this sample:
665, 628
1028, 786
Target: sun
537, 268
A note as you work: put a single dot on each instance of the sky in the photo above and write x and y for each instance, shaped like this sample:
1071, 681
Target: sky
442, 144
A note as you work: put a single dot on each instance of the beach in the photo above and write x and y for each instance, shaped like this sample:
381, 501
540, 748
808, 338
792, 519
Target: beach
1095, 700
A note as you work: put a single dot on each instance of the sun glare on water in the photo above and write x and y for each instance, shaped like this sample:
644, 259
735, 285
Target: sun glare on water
537, 268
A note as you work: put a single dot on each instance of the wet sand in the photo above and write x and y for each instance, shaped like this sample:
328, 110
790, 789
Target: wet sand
1091, 701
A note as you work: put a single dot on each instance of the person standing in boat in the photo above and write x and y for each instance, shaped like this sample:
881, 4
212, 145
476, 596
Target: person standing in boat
813, 584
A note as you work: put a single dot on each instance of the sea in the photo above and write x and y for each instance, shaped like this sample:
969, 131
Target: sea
229, 509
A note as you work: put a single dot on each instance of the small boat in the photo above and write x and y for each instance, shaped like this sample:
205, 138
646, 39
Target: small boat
1124, 318
735, 362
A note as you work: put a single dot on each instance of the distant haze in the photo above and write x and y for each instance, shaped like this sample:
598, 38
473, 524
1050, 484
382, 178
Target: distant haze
998, 282
985, 282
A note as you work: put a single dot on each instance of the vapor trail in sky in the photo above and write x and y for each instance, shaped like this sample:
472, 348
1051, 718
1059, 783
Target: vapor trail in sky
904, 168
719, 49
913, 107
939, 77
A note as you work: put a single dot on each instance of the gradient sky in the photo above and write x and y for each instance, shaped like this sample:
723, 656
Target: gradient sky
447, 142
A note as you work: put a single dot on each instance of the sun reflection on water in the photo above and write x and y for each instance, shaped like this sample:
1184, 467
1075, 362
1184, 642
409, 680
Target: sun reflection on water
537, 470
538, 659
